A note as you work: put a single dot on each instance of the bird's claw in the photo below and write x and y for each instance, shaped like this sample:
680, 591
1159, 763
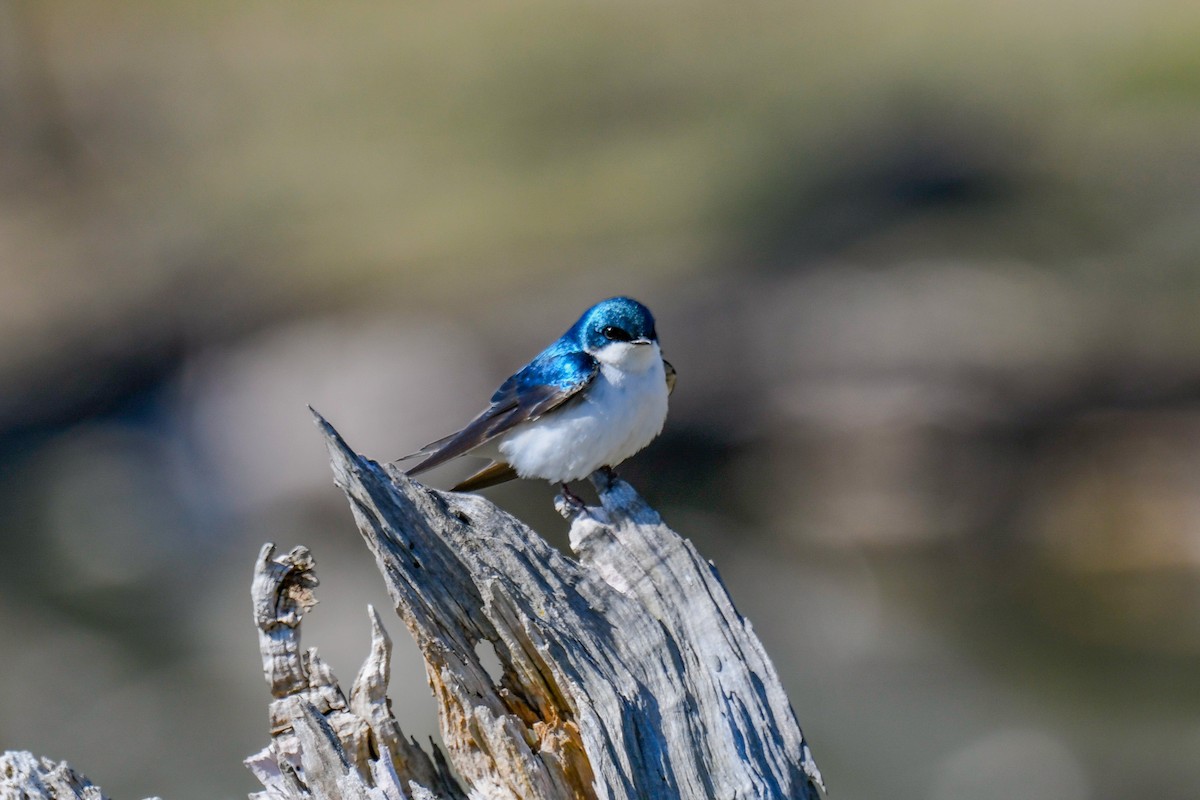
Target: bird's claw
568, 503
604, 479
571, 497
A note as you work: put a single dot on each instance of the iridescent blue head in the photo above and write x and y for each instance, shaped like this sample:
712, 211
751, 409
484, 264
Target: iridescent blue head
618, 320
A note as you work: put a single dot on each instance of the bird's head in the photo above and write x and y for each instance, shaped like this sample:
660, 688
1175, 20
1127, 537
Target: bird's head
620, 332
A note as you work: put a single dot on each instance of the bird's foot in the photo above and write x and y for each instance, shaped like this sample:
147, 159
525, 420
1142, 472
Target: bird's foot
571, 498
569, 504
604, 478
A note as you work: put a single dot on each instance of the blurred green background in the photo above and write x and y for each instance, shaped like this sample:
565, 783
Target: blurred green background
928, 271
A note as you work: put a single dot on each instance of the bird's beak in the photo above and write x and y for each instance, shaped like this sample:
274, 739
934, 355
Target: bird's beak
640, 341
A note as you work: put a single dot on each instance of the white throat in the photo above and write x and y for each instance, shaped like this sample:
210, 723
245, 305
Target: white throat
628, 357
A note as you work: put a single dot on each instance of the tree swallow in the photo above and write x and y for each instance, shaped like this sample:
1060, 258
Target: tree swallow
590, 400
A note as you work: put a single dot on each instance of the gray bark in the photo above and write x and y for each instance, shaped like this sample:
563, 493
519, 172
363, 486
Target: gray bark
626, 673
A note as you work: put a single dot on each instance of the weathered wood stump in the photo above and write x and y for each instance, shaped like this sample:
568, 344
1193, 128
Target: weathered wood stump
624, 674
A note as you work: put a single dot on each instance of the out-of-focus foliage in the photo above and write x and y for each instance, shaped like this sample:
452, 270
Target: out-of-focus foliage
928, 271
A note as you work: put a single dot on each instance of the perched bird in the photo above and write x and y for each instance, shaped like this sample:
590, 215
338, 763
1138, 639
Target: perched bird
590, 400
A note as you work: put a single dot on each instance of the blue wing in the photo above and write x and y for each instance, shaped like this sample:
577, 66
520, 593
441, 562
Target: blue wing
550, 380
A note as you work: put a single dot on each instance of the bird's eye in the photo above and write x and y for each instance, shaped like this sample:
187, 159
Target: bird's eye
615, 334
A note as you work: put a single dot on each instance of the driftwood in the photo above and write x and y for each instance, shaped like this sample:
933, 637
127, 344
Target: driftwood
24, 776
625, 674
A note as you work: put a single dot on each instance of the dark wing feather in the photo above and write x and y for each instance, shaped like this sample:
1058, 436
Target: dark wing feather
546, 383
671, 375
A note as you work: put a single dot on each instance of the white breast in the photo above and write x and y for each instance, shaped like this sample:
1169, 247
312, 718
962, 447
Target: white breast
617, 415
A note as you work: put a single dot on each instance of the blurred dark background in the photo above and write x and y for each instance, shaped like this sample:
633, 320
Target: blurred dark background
928, 271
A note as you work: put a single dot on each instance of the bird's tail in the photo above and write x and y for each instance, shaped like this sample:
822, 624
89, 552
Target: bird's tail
492, 474
424, 452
